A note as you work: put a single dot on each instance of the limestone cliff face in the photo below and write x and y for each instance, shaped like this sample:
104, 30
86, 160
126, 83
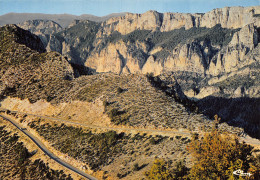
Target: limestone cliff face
135, 58
228, 17
192, 54
154, 42
150, 20
200, 57
238, 53
119, 57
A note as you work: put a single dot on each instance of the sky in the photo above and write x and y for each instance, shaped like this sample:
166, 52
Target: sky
105, 7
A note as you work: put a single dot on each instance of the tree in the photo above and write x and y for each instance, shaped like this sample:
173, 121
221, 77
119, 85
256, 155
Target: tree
217, 156
159, 171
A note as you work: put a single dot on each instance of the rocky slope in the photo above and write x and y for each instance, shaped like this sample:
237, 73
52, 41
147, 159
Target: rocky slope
26, 70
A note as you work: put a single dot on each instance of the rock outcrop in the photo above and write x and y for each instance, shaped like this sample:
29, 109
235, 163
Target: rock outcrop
228, 17
41, 28
203, 52
238, 53
123, 57
193, 54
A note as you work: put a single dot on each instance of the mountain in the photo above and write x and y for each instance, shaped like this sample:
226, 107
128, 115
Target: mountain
155, 43
217, 52
49, 76
110, 100
63, 19
158, 42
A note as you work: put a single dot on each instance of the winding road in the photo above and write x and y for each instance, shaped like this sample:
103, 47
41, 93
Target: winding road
247, 139
46, 151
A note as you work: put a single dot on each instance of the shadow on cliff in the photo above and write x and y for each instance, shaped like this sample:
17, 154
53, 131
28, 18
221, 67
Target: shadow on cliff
241, 112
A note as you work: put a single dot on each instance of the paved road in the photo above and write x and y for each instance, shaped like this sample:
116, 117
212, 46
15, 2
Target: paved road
46, 151
247, 139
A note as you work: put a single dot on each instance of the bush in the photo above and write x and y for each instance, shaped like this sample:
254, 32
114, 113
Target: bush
119, 90
153, 141
105, 103
136, 167
112, 113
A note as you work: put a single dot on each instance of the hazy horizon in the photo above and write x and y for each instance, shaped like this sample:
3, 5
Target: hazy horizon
106, 7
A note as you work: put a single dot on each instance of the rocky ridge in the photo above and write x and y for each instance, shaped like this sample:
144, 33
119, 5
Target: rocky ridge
228, 17
42, 28
217, 42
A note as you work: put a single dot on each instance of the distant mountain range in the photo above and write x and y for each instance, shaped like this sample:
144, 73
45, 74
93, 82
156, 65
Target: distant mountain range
63, 19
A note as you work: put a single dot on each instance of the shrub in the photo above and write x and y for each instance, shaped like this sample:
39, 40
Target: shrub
112, 113
119, 90
180, 171
105, 103
136, 167
153, 141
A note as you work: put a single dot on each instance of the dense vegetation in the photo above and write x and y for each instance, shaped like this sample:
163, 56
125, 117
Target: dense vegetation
15, 161
218, 156
164, 170
215, 156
